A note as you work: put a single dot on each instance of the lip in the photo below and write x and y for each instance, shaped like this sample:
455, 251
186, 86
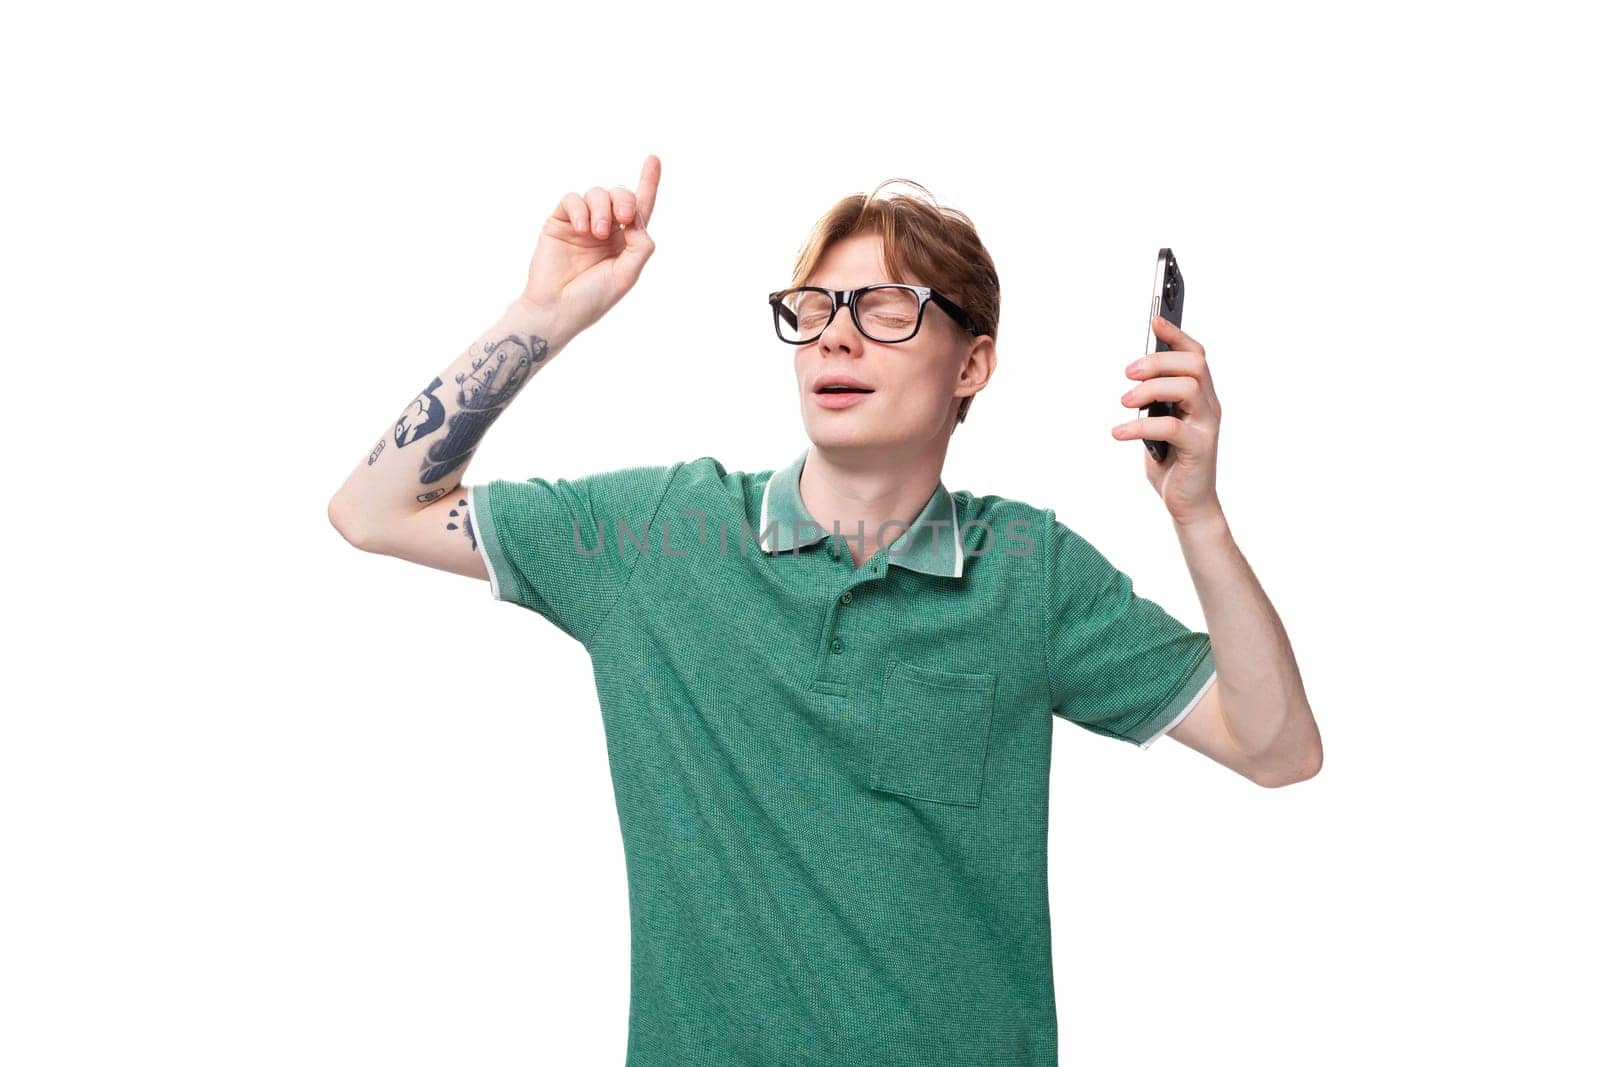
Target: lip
838, 379
840, 400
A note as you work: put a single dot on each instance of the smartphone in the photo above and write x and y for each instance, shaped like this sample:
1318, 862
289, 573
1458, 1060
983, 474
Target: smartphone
1166, 301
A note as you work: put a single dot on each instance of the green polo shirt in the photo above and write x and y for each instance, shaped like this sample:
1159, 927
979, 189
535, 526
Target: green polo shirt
833, 780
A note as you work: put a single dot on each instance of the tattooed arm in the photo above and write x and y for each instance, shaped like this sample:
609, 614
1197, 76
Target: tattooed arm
405, 498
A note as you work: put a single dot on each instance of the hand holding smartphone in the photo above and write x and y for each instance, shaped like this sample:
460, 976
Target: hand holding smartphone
1166, 301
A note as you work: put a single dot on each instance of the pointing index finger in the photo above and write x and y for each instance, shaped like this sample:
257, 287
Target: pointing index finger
645, 200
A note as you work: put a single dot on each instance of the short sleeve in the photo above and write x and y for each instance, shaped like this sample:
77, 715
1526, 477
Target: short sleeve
1118, 664
567, 548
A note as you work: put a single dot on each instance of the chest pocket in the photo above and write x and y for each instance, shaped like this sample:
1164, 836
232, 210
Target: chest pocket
931, 736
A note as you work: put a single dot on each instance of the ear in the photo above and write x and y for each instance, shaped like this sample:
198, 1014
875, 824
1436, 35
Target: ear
978, 366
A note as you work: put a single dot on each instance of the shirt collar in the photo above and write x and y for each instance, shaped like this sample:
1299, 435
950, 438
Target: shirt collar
924, 546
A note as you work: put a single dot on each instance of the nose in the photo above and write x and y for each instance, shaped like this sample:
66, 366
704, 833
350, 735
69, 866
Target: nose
841, 330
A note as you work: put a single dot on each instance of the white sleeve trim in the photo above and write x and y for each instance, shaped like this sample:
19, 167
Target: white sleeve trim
1182, 714
477, 538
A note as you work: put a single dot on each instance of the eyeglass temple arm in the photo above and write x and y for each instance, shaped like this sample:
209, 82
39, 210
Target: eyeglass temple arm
953, 311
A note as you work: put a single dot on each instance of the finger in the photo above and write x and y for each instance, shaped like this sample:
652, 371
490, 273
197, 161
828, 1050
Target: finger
1179, 364
1174, 363
649, 179
577, 212
1150, 428
1185, 392
623, 204
599, 202
1175, 337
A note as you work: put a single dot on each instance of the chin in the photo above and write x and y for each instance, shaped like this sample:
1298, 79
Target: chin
835, 433
829, 432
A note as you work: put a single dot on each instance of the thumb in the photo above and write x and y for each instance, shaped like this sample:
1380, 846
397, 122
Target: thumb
636, 248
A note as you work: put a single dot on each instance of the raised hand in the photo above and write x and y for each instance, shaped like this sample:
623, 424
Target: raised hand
591, 251
1187, 478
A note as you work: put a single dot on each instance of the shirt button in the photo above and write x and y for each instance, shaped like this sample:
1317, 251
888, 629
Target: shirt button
848, 596
838, 645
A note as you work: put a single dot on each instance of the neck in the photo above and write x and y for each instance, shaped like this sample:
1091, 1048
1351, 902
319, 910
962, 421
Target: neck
877, 496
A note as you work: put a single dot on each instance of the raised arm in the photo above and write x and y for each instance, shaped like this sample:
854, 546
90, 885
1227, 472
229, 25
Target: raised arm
405, 497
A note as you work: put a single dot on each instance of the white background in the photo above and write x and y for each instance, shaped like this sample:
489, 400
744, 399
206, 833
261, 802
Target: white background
265, 799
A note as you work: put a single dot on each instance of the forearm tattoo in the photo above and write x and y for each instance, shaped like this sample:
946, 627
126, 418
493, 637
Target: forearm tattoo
498, 372
497, 375
424, 416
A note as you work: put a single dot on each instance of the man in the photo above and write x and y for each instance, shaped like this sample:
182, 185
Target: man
828, 689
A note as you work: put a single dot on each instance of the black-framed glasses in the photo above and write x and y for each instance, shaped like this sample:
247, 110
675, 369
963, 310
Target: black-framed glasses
888, 313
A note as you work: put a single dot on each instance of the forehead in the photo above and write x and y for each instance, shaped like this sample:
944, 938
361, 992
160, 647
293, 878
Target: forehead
854, 262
